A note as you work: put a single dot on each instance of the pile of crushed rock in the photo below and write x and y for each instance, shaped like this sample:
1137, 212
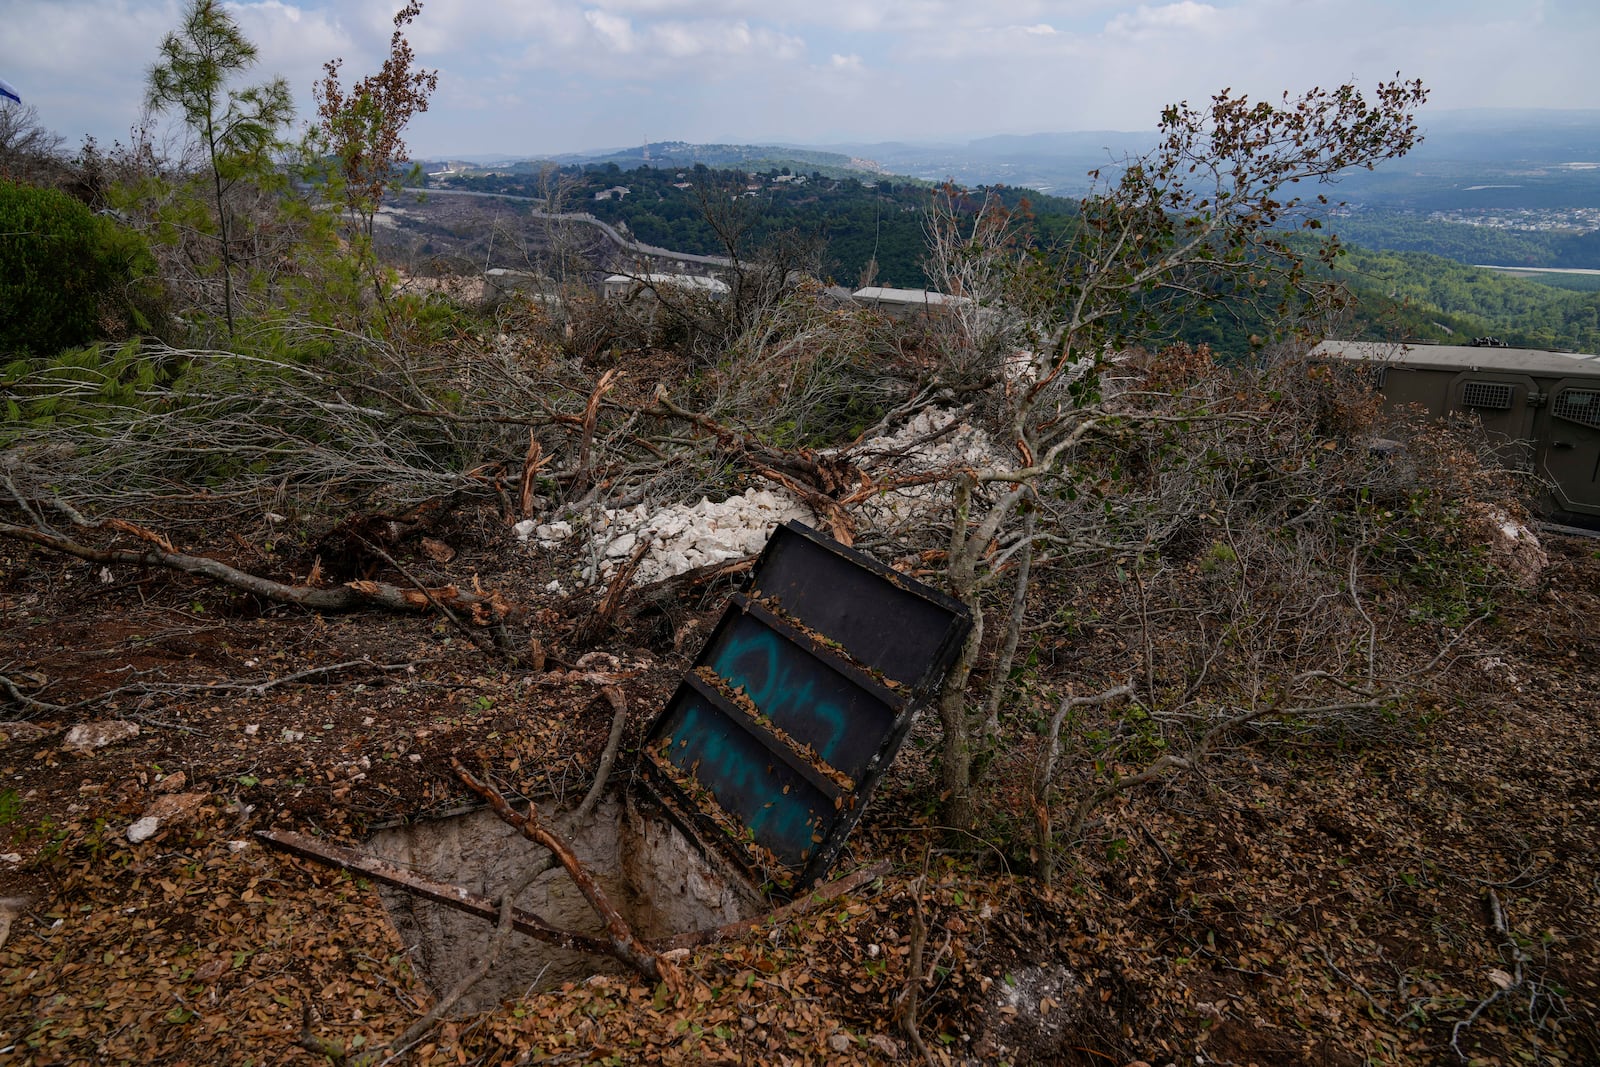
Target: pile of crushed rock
682, 537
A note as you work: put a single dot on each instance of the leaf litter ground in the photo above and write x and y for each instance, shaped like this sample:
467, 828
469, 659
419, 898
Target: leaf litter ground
1329, 905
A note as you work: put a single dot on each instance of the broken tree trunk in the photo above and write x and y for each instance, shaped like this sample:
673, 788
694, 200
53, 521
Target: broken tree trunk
483, 607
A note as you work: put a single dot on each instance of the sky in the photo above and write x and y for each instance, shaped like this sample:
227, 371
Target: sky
530, 77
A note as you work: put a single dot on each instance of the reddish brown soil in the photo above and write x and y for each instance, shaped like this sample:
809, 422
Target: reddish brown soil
1318, 905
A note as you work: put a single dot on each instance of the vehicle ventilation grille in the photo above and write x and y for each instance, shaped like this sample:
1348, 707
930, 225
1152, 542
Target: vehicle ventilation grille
1493, 396
1579, 405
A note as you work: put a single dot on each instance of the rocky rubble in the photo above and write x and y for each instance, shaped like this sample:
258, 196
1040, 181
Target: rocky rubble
681, 536
685, 536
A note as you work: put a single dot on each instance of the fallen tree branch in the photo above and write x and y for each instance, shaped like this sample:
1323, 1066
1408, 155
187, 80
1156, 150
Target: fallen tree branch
419, 1029
354, 596
906, 1003
461, 627
622, 944
608, 758
18, 696
451, 896
253, 688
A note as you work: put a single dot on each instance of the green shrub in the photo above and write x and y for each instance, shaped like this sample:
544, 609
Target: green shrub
67, 276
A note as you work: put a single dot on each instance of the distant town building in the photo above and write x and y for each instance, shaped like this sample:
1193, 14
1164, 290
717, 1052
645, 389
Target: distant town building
624, 286
499, 283
906, 303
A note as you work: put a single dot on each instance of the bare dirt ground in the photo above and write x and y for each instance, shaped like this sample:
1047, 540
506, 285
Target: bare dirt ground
1426, 894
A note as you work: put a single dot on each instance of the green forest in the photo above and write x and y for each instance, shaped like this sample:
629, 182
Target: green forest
1409, 232
877, 230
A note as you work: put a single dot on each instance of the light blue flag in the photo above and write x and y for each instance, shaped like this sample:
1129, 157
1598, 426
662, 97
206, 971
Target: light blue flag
8, 93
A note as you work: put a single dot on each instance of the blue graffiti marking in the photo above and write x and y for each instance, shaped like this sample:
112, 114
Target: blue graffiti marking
807, 700
780, 808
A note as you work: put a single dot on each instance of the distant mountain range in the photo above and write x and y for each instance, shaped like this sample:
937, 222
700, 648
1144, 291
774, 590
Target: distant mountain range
1490, 158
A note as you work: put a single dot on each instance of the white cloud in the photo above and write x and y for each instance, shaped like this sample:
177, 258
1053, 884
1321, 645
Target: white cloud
1185, 15
614, 30
562, 74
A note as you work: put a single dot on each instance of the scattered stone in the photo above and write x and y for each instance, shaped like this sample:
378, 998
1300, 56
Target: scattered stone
839, 1042
88, 736
886, 1045
173, 783
1512, 545
252, 729
11, 857
22, 733
238, 846
437, 550
10, 908
684, 536
174, 807
143, 830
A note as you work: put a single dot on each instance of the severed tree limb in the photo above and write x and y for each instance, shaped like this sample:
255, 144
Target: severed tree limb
840, 524
598, 622
591, 412
381, 870
907, 1002
354, 596
483, 645
608, 758
621, 942
532, 463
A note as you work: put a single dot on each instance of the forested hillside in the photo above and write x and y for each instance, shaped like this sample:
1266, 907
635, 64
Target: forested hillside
1438, 298
1410, 295
1470, 244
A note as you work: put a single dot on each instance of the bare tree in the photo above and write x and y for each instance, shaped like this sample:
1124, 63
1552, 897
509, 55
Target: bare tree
1199, 212
28, 151
363, 130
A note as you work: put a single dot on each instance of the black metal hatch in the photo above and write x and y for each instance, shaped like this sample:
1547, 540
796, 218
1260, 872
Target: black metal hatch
798, 702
